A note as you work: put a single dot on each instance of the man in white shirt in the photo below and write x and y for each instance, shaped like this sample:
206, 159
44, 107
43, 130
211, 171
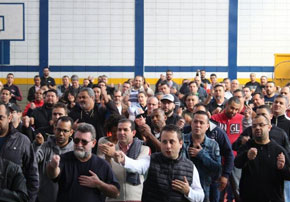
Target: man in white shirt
169, 176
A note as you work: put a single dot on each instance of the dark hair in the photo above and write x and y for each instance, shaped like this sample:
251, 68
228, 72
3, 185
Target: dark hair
264, 107
202, 113
218, 85
6, 88
213, 75
260, 115
201, 104
239, 90
10, 74
60, 105
128, 121
233, 99
112, 121
36, 76
65, 119
51, 90
192, 83
7, 112
260, 94
172, 128
162, 83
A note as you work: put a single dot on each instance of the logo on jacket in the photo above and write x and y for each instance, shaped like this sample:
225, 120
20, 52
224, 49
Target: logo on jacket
235, 128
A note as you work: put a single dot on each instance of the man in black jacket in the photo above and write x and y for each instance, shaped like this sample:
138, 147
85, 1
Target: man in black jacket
276, 133
265, 165
16, 147
12, 183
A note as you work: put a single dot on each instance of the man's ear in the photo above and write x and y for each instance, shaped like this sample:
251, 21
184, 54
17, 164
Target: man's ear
134, 132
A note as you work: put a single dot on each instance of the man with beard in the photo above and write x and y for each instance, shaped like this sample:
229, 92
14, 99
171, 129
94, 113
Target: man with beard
151, 134
89, 112
81, 175
167, 104
264, 163
58, 144
46, 80
16, 147
231, 121
43, 133
42, 115
217, 104
270, 93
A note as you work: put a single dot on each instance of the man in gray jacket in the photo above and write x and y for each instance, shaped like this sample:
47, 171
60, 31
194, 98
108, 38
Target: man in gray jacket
58, 144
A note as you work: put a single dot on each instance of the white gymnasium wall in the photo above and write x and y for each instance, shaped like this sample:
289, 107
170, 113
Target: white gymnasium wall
91, 32
186, 33
263, 29
27, 52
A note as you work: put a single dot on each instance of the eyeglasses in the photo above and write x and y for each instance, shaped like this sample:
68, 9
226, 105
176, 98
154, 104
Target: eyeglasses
84, 142
261, 125
59, 130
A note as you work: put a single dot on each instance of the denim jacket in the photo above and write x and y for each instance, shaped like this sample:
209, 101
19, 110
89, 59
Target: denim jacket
207, 161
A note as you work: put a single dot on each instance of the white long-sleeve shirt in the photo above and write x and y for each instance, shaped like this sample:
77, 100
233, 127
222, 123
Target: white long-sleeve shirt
142, 165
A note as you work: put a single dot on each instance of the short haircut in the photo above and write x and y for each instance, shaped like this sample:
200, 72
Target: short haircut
87, 128
169, 70
36, 76
128, 121
112, 122
213, 75
60, 105
201, 104
192, 83
218, 85
284, 97
96, 86
74, 77
189, 94
90, 92
271, 82
142, 92
226, 79
260, 95
265, 107
239, 91
159, 111
233, 99
162, 83
260, 115
65, 119
65, 76
51, 90
201, 113
5, 88
7, 110
10, 74
172, 128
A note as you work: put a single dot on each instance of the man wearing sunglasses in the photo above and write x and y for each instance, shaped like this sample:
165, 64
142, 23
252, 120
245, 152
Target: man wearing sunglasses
58, 144
81, 175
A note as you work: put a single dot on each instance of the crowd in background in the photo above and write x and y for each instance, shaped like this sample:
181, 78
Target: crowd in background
230, 141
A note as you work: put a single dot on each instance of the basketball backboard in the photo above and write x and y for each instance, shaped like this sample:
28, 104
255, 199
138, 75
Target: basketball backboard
12, 21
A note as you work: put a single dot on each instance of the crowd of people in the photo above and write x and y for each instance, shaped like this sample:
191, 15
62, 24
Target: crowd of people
201, 141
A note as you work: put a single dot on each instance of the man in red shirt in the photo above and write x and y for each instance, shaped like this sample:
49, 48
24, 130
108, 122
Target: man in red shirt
231, 121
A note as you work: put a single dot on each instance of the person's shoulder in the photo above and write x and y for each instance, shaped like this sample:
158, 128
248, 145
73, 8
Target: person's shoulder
99, 161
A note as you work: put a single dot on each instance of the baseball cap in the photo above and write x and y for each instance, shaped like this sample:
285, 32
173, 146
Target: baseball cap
168, 97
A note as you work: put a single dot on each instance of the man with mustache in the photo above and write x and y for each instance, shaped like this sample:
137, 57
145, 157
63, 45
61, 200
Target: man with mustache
58, 144
81, 175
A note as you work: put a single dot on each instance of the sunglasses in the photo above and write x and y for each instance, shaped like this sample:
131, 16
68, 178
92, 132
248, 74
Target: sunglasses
84, 142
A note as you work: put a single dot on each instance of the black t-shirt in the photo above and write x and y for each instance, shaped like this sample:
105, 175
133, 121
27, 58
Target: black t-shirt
71, 168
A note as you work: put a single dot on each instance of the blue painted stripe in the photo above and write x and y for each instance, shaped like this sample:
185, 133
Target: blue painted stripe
43, 35
233, 39
20, 68
5, 52
255, 68
139, 37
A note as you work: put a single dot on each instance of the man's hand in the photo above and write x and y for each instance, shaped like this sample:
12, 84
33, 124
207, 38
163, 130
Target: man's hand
280, 161
39, 139
54, 162
145, 130
223, 181
181, 186
32, 105
107, 149
75, 124
245, 139
193, 151
92, 181
119, 157
252, 153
